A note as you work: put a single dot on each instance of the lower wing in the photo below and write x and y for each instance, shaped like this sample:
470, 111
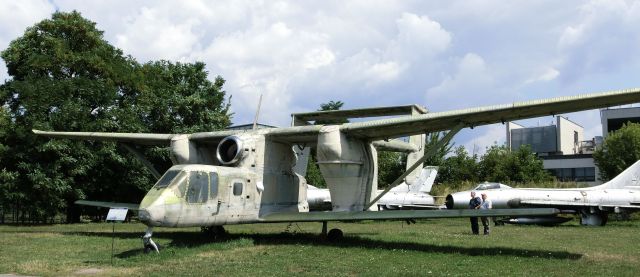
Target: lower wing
400, 214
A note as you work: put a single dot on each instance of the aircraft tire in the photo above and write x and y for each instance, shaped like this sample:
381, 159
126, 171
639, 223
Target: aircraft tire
214, 232
335, 235
148, 248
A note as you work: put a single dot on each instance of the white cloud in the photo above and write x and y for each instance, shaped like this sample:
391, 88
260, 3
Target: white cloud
601, 40
418, 38
444, 55
471, 75
15, 17
150, 36
483, 137
546, 75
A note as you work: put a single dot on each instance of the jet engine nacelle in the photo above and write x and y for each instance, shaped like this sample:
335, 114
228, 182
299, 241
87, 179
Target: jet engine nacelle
230, 150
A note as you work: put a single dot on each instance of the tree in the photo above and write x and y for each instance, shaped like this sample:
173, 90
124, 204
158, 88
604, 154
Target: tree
331, 106
499, 164
65, 76
459, 167
439, 157
619, 150
390, 166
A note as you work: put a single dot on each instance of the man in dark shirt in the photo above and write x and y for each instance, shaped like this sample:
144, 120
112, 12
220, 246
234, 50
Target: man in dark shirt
474, 203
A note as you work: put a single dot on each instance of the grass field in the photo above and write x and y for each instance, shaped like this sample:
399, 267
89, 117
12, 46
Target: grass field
430, 247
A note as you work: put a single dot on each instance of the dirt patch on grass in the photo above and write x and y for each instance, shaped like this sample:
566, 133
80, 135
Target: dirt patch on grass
36, 235
89, 271
598, 256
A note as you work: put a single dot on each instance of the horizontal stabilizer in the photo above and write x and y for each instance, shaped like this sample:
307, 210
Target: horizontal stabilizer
402, 214
129, 206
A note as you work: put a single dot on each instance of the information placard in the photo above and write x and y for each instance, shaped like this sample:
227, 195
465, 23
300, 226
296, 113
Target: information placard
117, 214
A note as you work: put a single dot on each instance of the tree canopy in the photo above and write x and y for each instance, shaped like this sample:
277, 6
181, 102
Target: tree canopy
65, 76
620, 149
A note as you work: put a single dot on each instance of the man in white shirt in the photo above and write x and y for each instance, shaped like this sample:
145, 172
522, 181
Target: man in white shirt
486, 205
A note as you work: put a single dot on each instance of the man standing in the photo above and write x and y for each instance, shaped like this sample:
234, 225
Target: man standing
486, 205
474, 204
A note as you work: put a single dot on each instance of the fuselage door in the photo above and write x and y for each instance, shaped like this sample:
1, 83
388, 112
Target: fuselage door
201, 198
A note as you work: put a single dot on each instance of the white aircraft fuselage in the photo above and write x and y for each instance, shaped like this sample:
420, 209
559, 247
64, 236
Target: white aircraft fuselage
620, 195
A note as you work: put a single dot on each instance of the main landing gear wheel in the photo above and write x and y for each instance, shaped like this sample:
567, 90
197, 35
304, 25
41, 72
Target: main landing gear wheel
214, 232
148, 243
333, 235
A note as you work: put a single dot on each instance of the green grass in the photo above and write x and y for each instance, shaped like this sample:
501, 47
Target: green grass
430, 247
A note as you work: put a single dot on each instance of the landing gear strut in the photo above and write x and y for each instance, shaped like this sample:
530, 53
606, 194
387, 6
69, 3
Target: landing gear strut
333, 234
148, 243
214, 232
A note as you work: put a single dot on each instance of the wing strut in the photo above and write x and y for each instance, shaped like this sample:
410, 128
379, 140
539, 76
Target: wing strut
142, 159
429, 153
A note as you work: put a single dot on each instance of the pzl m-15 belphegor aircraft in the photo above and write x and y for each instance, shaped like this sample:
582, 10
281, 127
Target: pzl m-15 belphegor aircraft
236, 176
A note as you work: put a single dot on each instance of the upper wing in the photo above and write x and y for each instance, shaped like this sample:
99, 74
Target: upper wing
401, 214
129, 206
146, 139
440, 121
137, 138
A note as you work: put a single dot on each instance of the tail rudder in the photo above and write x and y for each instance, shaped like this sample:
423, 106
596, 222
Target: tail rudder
630, 177
424, 182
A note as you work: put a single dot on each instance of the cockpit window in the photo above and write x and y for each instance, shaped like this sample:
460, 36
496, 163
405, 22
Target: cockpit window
486, 186
181, 183
198, 191
166, 179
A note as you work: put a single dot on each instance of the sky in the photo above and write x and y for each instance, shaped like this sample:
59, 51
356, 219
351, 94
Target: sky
439, 54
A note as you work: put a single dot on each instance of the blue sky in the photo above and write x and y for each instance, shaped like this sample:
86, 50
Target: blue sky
439, 54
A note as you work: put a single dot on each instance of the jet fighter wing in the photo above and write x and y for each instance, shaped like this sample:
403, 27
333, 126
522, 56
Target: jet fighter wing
401, 214
130, 206
441, 121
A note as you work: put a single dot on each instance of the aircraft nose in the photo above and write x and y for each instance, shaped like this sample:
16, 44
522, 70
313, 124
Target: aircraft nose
151, 216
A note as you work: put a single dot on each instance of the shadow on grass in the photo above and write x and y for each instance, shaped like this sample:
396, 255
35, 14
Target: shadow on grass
194, 239
278, 239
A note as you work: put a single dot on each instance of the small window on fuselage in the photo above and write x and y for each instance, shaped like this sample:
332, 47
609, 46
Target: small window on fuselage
213, 183
237, 188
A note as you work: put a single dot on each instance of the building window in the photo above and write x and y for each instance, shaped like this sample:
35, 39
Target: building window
580, 174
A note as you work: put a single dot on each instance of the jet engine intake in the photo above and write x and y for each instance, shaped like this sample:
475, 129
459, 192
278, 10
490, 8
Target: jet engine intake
229, 150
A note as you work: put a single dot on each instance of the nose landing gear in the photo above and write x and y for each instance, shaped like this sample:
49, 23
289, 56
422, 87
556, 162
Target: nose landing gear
148, 243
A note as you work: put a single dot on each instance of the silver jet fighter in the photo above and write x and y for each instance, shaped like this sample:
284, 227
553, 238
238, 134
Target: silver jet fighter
619, 195
405, 196
248, 176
